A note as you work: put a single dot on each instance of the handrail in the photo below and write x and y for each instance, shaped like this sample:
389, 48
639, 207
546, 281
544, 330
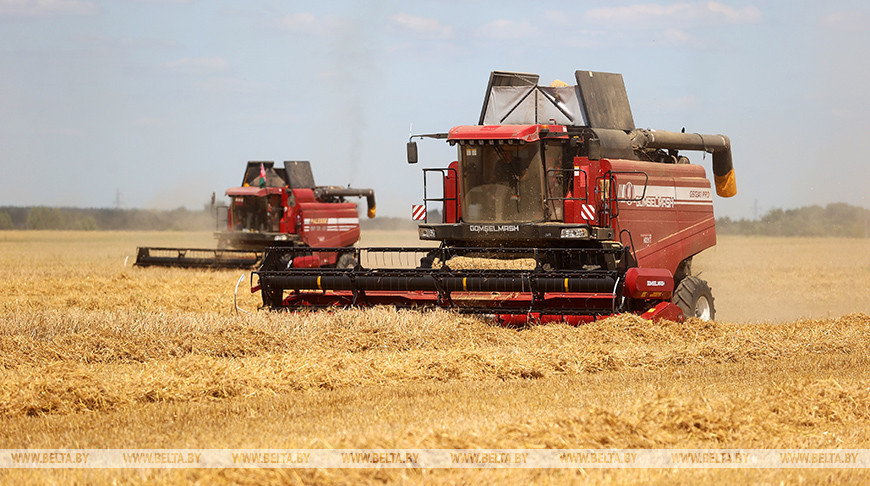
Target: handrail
427, 199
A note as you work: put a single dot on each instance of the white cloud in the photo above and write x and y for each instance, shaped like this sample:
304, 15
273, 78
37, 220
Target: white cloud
306, 23
508, 29
560, 18
41, 8
198, 65
423, 25
849, 21
676, 37
684, 13
298, 22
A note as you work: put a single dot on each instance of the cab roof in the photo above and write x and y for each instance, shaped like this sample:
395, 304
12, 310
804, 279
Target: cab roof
524, 133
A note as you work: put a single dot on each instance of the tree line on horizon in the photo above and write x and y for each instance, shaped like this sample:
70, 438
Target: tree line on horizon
835, 219
110, 219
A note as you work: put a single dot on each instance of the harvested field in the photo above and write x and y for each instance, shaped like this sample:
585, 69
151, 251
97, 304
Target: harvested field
94, 361
95, 354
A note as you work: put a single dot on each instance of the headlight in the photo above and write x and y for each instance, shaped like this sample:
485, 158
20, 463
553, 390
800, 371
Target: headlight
281, 238
574, 233
427, 233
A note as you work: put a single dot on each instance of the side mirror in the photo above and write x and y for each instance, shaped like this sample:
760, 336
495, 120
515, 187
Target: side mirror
412, 152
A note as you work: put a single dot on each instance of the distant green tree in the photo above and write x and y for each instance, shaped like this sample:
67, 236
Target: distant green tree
42, 218
835, 219
85, 223
6, 221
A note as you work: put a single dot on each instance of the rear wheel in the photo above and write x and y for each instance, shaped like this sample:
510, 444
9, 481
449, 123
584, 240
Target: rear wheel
695, 298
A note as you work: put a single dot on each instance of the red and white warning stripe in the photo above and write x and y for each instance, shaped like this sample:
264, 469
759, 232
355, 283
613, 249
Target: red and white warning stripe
418, 212
587, 212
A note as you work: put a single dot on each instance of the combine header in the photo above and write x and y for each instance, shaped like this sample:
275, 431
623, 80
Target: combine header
275, 207
557, 209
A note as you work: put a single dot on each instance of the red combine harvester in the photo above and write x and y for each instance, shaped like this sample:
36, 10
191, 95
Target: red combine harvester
557, 209
276, 206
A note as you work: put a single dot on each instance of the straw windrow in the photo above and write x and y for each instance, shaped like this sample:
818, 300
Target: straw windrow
65, 362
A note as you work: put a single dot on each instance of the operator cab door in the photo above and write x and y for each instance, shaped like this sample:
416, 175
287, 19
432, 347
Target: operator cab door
582, 204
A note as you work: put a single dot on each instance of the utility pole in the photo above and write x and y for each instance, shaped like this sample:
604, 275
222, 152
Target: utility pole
117, 198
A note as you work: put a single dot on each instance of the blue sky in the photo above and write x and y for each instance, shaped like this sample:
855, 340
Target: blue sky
164, 101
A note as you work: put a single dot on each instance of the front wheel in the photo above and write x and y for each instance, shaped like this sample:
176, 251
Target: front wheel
695, 298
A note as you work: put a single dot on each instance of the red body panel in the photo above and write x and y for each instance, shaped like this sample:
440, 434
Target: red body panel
452, 206
528, 133
328, 224
664, 310
316, 259
667, 208
553, 301
254, 191
311, 261
661, 311
649, 283
294, 215
318, 224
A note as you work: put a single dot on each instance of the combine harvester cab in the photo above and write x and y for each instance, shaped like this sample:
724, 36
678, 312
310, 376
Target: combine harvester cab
557, 209
276, 206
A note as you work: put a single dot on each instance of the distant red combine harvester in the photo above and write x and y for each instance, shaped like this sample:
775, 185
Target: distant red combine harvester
276, 207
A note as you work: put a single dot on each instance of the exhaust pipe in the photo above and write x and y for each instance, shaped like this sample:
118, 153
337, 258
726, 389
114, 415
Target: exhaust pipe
369, 194
718, 145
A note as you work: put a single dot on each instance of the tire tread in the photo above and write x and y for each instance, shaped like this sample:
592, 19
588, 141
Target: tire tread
688, 291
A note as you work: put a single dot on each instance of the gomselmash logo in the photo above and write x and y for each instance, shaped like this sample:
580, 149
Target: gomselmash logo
662, 196
646, 197
494, 228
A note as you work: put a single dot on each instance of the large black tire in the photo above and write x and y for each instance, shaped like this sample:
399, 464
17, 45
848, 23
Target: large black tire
694, 296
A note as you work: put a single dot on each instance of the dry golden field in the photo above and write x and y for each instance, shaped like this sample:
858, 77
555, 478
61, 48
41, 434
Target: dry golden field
98, 354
